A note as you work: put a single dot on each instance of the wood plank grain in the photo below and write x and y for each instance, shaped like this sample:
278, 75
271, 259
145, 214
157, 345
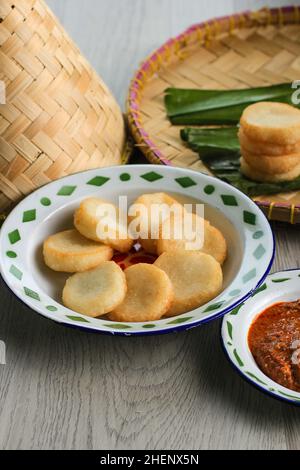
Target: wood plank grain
63, 388
66, 389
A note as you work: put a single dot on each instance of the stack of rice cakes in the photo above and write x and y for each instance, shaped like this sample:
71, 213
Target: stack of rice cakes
270, 142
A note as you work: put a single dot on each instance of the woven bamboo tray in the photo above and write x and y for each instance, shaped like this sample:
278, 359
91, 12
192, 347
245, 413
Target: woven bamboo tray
59, 116
244, 50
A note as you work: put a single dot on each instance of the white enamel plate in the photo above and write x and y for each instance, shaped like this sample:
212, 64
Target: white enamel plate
282, 286
50, 209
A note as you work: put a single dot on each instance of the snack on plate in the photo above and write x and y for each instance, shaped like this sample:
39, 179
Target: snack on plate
276, 123
176, 232
213, 242
94, 216
196, 277
149, 295
70, 252
95, 292
269, 137
164, 201
132, 285
264, 177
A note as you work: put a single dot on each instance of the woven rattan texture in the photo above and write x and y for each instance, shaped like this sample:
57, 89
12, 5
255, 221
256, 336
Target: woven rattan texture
59, 117
249, 50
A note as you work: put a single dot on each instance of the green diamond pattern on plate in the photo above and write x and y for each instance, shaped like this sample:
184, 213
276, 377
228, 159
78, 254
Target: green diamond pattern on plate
213, 307
238, 359
236, 310
289, 396
177, 321
45, 201
260, 289
186, 182
14, 236
229, 329
29, 216
16, 272
31, 293
209, 189
250, 275
66, 191
280, 280
51, 308
255, 378
148, 178
125, 177
257, 235
229, 200
98, 181
152, 176
118, 326
249, 218
259, 252
234, 293
79, 319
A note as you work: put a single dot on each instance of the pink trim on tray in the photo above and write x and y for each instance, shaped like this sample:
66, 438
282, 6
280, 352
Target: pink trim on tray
140, 134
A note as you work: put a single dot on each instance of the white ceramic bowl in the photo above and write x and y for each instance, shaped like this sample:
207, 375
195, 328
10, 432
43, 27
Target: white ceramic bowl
282, 286
50, 209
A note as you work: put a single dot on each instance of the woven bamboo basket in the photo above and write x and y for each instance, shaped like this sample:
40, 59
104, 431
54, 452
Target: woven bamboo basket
59, 116
245, 50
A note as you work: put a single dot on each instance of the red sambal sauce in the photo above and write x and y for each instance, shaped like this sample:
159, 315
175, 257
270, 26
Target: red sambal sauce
274, 340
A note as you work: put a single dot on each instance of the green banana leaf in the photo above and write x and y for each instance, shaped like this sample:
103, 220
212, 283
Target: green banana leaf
201, 107
224, 161
200, 100
252, 188
212, 141
220, 116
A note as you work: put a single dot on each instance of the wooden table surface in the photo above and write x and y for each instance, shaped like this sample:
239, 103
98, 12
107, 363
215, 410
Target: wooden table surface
66, 389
